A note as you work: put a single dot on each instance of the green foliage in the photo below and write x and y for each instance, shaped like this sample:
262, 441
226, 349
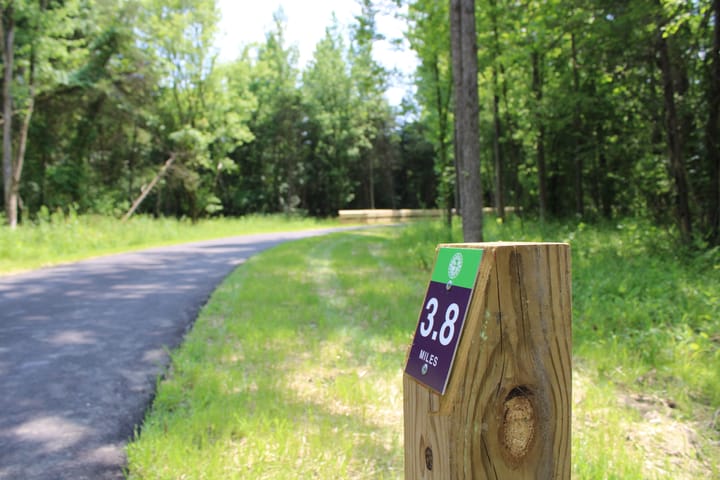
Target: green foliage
328, 90
134, 83
584, 125
124, 86
271, 174
581, 111
429, 36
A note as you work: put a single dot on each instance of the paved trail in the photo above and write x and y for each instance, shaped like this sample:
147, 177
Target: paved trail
81, 346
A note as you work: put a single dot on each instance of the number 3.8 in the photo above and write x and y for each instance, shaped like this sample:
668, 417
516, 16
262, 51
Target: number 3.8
447, 329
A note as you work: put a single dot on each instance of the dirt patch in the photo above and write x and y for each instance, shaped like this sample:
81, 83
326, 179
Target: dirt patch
673, 443
670, 446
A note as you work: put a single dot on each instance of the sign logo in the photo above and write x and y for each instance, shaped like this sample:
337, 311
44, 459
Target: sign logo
455, 265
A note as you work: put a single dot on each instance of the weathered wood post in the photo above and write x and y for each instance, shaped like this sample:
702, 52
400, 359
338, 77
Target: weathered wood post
501, 408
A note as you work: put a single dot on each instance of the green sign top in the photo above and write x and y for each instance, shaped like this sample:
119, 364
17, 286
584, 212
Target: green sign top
457, 265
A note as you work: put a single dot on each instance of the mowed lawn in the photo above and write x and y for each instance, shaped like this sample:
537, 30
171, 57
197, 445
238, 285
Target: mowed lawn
294, 367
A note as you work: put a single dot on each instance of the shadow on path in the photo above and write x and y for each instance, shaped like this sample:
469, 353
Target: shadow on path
81, 346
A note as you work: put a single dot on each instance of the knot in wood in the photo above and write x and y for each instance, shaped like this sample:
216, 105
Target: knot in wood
518, 424
428, 458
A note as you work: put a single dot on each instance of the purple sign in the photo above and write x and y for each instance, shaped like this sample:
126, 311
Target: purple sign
437, 334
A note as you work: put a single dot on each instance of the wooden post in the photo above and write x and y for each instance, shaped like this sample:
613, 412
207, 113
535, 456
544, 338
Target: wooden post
505, 413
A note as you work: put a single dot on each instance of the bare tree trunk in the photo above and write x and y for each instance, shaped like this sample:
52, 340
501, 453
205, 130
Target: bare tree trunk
712, 130
147, 189
497, 130
511, 148
131, 162
441, 104
13, 167
371, 169
24, 129
8, 40
465, 70
674, 142
540, 142
456, 165
604, 184
577, 126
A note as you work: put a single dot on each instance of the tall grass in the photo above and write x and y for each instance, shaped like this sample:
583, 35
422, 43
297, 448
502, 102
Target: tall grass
640, 301
64, 237
294, 367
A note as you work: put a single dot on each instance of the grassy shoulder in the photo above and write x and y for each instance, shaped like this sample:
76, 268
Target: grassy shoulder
58, 238
294, 367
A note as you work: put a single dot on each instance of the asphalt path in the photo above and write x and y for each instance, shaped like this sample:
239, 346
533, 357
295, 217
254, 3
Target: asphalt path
82, 345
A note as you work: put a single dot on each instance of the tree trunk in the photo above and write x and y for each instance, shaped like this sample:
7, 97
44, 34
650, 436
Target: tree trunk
511, 148
497, 128
674, 142
131, 162
147, 189
712, 131
540, 142
464, 61
24, 129
371, 178
441, 104
8, 37
456, 166
497, 132
604, 185
577, 127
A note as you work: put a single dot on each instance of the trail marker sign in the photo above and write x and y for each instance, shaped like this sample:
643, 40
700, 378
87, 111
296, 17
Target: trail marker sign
487, 384
443, 316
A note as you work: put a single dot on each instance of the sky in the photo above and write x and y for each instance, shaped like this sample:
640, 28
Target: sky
246, 21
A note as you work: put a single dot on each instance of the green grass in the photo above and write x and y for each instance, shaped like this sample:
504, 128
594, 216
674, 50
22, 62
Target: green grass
294, 367
59, 238
291, 372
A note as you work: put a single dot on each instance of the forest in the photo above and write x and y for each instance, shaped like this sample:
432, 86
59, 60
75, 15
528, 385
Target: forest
588, 110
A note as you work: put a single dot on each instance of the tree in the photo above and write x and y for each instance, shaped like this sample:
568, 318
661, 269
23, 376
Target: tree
180, 35
416, 180
467, 147
272, 166
712, 128
38, 52
429, 36
675, 136
332, 134
369, 80
497, 125
9, 167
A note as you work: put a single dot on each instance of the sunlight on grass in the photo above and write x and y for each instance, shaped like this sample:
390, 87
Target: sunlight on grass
314, 385
599, 449
294, 367
59, 238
